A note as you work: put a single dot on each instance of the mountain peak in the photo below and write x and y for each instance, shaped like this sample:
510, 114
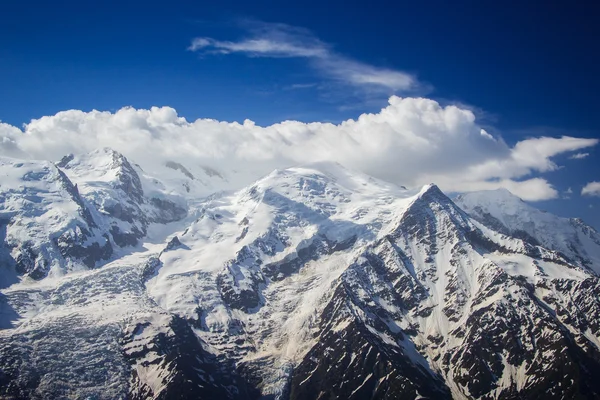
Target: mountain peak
429, 190
98, 161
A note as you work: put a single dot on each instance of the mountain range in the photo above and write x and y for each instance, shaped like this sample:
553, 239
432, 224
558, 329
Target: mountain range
313, 282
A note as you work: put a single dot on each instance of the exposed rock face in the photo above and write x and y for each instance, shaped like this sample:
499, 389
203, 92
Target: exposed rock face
183, 368
310, 283
351, 361
164, 211
178, 167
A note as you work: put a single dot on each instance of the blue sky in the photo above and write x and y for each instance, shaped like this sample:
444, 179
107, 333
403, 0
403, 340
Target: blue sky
526, 70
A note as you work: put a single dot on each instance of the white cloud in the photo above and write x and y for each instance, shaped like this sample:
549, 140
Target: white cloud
567, 193
591, 189
579, 156
285, 41
258, 48
412, 141
533, 189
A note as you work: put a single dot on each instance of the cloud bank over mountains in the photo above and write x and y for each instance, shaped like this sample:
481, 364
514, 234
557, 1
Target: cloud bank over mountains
412, 141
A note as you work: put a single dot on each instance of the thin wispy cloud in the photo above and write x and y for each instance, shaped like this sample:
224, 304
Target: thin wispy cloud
285, 41
579, 156
296, 86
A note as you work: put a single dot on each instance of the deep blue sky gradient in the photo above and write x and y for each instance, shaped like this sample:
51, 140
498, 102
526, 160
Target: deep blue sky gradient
530, 68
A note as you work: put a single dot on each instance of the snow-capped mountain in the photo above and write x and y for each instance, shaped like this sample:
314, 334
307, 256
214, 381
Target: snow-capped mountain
46, 224
126, 198
312, 282
506, 213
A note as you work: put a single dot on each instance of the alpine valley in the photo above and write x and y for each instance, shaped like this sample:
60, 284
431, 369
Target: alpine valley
313, 282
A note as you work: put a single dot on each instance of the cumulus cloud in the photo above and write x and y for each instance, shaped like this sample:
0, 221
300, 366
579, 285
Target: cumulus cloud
412, 141
579, 156
285, 41
591, 189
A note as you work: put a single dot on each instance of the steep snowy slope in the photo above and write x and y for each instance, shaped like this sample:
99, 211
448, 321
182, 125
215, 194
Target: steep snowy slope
45, 224
506, 213
75, 214
203, 181
312, 282
128, 202
484, 309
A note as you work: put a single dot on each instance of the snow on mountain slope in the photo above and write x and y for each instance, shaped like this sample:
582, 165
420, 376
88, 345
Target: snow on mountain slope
97, 334
312, 282
505, 212
128, 202
258, 271
275, 218
46, 226
236, 257
203, 181
477, 320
